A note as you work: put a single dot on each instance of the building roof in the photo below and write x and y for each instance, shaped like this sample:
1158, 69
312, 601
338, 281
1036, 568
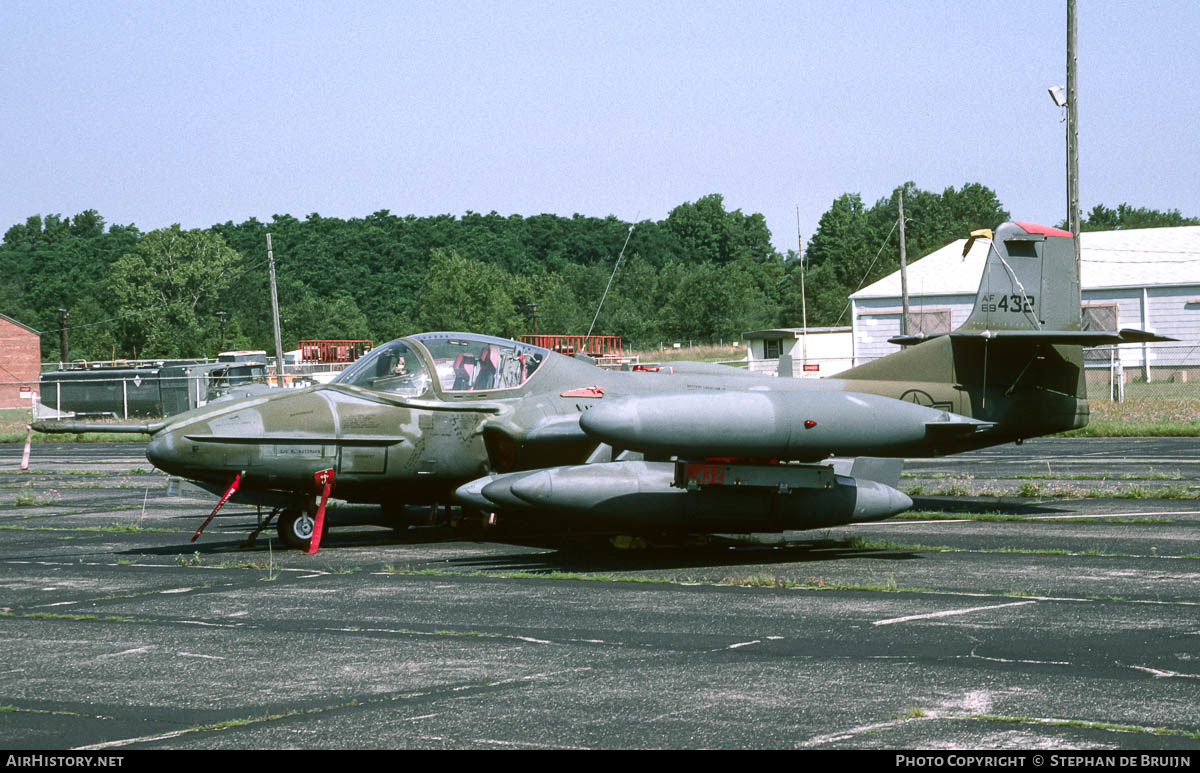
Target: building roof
793, 332
18, 324
1141, 257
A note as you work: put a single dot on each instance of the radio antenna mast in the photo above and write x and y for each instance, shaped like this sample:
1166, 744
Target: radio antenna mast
610, 280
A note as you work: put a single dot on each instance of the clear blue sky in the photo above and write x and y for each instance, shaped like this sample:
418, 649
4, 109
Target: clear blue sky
201, 112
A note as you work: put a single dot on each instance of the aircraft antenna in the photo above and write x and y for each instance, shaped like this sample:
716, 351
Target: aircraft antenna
803, 300
610, 280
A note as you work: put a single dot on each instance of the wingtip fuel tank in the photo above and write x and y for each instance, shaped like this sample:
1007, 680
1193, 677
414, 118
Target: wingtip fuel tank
692, 496
790, 425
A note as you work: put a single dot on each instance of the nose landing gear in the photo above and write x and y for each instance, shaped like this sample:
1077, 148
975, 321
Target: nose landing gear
295, 528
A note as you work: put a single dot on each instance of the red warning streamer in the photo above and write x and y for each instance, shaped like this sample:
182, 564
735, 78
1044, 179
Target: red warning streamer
232, 488
324, 480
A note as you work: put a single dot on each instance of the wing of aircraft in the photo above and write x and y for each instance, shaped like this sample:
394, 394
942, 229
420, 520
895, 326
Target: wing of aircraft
515, 431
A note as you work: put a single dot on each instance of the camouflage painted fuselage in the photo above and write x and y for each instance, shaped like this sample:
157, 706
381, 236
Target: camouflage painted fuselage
385, 449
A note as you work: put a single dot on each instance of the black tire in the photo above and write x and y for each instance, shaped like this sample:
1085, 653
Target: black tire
295, 528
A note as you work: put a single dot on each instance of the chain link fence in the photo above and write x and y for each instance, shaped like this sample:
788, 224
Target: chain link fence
1131, 372
151, 390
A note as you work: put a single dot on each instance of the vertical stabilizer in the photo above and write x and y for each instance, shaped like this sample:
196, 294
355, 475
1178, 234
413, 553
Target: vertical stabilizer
1017, 360
1030, 282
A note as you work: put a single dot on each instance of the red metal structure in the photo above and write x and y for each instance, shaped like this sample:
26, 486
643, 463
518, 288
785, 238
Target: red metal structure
334, 350
596, 346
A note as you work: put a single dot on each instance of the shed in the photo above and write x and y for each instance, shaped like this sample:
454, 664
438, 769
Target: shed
814, 352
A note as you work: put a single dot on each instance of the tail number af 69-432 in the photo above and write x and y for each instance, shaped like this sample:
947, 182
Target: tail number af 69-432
1017, 304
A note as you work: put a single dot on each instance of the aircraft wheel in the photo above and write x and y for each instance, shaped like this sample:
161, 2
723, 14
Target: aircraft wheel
295, 528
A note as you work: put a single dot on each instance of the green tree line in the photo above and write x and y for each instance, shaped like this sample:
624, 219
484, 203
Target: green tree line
703, 273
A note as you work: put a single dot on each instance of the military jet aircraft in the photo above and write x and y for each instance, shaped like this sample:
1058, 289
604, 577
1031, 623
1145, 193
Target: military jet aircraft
514, 431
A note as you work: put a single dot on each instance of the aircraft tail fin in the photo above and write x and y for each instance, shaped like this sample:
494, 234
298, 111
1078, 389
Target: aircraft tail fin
1016, 361
1029, 284
1030, 292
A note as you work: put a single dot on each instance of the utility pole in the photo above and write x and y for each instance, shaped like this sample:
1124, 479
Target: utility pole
903, 271
221, 316
1073, 218
803, 300
275, 312
63, 352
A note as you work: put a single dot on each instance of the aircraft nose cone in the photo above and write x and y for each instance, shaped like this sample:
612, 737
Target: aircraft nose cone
162, 453
155, 451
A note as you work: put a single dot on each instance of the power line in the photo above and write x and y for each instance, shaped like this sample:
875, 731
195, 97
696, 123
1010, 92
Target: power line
868, 271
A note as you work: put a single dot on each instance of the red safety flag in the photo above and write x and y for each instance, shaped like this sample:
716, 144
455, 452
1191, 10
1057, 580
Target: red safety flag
232, 488
324, 480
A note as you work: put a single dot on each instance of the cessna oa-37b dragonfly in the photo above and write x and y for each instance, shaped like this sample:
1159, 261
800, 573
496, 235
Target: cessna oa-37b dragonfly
515, 431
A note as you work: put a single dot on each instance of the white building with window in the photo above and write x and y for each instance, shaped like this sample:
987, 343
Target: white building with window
814, 353
1147, 279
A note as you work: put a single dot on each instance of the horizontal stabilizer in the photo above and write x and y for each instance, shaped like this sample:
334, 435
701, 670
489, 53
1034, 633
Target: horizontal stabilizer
1070, 337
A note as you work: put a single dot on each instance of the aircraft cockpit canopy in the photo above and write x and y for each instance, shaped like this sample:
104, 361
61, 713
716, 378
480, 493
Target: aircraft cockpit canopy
394, 367
474, 363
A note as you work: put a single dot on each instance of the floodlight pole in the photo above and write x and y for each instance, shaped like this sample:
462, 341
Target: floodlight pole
1073, 217
275, 312
903, 271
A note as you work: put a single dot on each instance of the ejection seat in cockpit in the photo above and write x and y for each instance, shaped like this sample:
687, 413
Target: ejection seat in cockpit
464, 372
489, 362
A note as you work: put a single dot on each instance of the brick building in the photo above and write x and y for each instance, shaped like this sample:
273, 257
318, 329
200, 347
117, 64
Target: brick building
20, 363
